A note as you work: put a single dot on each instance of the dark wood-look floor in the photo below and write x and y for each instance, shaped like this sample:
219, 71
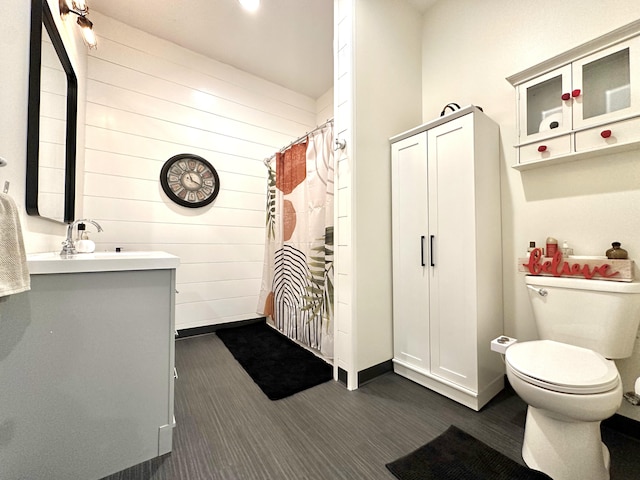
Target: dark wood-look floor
227, 429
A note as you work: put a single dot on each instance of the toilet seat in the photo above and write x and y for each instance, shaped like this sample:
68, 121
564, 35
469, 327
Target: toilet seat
561, 367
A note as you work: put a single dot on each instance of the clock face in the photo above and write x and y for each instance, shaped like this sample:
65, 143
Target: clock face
189, 180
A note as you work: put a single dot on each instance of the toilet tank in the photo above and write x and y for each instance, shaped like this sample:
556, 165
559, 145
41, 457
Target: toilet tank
596, 314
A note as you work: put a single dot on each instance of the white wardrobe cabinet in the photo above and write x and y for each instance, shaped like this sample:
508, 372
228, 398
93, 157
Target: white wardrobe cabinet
447, 267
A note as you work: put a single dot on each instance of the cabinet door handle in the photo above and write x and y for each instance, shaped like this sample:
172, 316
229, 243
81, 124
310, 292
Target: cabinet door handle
605, 133
542, 148
433, 264
422, 250
576, 93
566, 96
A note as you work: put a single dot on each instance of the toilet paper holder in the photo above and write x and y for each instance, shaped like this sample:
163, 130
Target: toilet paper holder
634, 397
501, 344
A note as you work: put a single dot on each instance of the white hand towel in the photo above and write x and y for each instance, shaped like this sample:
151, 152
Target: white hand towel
14, 273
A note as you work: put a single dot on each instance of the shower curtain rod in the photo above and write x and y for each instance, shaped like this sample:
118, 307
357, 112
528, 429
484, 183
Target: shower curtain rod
267, 161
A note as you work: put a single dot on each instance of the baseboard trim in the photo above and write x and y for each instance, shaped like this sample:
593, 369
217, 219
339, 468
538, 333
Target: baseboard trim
342, 376
371, 373
627, 426
206, 329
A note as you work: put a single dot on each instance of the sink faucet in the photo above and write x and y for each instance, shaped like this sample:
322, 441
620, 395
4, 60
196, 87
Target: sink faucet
68, 247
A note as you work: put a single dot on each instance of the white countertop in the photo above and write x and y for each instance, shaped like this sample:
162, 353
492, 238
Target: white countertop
52, 262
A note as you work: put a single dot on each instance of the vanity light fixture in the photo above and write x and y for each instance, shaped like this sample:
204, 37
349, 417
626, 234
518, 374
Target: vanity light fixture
81, 9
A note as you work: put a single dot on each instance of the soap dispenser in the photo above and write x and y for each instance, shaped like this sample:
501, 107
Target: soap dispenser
85, 245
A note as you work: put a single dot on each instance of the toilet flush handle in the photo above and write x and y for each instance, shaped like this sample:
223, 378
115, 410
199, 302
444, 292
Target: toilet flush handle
540, 291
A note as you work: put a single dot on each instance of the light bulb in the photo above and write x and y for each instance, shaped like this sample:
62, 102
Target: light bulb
87, 32
90, 38
80, 5
251, 5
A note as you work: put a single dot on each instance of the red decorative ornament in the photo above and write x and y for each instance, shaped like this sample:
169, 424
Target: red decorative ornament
557, 267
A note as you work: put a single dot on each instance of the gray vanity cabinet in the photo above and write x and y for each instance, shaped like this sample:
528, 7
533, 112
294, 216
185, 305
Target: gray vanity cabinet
86, 372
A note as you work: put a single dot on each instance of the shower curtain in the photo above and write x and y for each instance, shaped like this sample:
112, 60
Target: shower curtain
297, 281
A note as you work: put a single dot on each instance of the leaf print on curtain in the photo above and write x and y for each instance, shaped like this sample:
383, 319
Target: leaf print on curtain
297, 281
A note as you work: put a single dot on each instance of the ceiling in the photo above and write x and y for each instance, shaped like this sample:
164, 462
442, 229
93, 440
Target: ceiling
288, 42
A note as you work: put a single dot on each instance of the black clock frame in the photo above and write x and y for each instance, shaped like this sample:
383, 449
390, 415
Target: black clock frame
170, 193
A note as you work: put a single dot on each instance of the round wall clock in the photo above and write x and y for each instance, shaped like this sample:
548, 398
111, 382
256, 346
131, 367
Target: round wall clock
189, 180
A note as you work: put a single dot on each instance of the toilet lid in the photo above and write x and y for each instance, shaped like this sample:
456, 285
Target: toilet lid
561, 367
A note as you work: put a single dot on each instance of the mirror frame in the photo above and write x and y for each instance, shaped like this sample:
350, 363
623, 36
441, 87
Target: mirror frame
41, 15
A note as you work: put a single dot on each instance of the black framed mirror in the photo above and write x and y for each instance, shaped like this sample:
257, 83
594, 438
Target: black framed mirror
52, 121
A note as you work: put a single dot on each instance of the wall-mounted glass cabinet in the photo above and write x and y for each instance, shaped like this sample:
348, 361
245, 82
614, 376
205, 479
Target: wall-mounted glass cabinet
542, 110
581, 102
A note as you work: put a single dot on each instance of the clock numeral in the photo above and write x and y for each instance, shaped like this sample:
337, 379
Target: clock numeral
183, 166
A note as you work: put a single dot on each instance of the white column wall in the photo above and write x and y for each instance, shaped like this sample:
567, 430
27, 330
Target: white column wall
377, 87
386, 86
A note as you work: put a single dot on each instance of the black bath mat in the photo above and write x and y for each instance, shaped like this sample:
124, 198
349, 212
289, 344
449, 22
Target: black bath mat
278, 365
456, 455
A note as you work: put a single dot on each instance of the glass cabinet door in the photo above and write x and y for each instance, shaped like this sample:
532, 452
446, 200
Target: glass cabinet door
606, 84
542, 109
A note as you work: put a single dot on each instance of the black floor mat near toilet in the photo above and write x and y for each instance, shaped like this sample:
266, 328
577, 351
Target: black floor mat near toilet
456, 455
278, 365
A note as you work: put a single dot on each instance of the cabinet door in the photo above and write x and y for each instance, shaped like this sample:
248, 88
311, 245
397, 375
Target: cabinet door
410, 249
453, 276
606, 85
542, 110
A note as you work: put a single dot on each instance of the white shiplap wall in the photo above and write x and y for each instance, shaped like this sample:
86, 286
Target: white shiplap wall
147, 100
344, 353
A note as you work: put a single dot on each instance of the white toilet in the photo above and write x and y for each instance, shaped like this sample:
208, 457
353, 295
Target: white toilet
566, 378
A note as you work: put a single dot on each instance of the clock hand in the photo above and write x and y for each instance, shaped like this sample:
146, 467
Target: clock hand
194, 181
